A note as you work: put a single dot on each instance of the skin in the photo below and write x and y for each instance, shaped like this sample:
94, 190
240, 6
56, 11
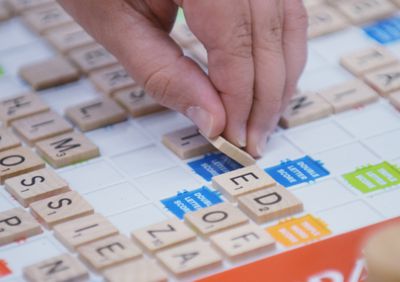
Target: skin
256, 53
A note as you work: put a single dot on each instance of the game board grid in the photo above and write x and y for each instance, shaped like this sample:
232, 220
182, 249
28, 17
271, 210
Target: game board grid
140, 124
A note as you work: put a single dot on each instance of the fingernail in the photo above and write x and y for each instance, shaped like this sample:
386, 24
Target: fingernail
262, 143
242, 136
201, 118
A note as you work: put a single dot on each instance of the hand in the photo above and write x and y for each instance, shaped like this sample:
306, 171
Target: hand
256, 53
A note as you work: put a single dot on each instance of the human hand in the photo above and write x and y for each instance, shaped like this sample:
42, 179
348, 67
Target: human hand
256, 53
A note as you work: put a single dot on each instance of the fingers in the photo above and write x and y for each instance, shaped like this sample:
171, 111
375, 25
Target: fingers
270, 72
224, 27
294, 45
152, 58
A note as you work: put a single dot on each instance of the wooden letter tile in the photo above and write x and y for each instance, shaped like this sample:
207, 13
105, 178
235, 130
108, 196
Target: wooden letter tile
232, 151
162, 235
385, 80
69, 37
362, 11
91, 58
17, 224
49, 73
269, 204
40, 127
137, 102
8, 140
36, 185
109, 252
21, 106
349, 95
188, 258
61, 208
44, 18
215, 218
241, 181
323, 20
366, 60
18, 161
394, 98
111, 79
84, 230
139, 270
67, 149
242, 240
187, 143
303, 109
19, 6
95, 113
62, 268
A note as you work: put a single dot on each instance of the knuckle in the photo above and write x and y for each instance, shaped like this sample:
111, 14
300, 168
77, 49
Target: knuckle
298, 16
270, 39
241, 39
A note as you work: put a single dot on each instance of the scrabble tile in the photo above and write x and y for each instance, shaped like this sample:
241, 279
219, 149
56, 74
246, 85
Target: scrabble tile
349, 95
45, 18
367, 60
17, 224
241, 181
215, 218
84, 230
188, 258
8, 140
394, 98
60, 208
269, 204
381, 253
21, 106
36, 185
163, 235
61, 268
362, 11
187, 143
183, 35
19, 6
323, 20
303, 109
5, 11
137, 102
385, 80
18, 161
49, 73
69, 37
91, 58
139, 270
109, 252
67, 149
41, 126
242, 240
232, 151
95, 113
111, 79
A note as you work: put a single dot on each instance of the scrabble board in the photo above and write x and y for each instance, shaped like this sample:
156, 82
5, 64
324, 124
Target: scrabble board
99, 182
